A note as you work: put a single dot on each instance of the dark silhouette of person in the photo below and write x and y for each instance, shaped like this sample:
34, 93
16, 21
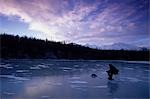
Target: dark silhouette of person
112, 71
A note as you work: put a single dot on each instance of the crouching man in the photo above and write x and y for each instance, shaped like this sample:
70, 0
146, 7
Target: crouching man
112, 71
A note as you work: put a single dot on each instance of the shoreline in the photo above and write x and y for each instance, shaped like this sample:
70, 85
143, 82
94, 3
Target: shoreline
84, 60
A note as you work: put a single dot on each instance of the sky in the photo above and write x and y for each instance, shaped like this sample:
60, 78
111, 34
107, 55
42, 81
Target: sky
93, 22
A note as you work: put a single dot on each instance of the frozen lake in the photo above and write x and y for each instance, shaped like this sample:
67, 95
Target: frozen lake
71, 79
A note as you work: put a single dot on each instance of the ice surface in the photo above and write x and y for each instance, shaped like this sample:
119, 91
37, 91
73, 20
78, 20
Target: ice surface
71, 79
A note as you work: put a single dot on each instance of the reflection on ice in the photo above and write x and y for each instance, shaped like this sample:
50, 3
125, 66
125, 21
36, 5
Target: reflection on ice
113, 87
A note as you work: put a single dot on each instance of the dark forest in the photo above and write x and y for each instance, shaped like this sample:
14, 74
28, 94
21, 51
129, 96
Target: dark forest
24, 48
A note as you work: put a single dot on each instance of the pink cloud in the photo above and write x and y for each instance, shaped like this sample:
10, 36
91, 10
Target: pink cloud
55, 20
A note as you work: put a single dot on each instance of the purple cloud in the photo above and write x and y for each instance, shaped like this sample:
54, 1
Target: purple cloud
76, 21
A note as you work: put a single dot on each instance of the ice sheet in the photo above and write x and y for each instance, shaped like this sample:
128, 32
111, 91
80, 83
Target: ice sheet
46, 79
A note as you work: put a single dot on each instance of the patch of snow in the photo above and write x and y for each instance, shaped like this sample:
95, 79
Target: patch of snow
74, 78
142, 62
78, 87
9, 93
130, 79
100, 86
16, 82
13, 77
43, 66
79, 82
74, 86
21, 71
35, 67
54, 83
50, 64
76, 65
94, 70
45, 96
97, 64
65, 68
128, 68
7, 66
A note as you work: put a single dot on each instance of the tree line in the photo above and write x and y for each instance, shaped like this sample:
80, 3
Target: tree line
25, 47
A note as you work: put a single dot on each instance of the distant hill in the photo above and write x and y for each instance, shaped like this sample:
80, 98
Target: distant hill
24, 47
118, 46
